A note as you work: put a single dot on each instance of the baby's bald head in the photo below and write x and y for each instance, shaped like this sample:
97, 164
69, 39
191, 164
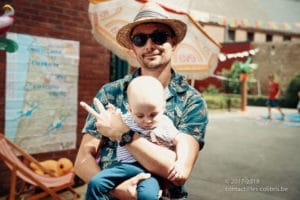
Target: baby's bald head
145, 90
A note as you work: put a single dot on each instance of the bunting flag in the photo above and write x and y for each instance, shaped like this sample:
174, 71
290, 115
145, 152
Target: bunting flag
286, 26
272, 25
233, 22
222, 20
244, 23
258, 24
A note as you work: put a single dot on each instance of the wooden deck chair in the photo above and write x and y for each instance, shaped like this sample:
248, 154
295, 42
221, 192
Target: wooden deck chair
48, 185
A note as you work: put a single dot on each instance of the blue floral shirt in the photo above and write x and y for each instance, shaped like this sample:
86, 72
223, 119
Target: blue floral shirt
185, 106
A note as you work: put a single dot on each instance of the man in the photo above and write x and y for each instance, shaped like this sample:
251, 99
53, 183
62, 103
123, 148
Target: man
274, 92
153, 38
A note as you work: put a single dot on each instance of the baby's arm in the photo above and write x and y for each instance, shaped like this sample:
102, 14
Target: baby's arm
168, 132
178, 172
187, 150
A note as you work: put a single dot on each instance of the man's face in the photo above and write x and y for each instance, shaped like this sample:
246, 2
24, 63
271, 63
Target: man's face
156, 52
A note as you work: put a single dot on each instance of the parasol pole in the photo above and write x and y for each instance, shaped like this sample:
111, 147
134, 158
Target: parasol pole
243, 79
192, 82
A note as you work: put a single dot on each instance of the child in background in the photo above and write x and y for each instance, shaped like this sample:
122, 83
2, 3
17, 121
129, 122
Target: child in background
274, 92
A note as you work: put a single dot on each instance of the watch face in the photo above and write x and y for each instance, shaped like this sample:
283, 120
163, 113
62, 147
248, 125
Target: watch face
127, 138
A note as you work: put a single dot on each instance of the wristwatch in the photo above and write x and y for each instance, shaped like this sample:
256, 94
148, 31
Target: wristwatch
126, 138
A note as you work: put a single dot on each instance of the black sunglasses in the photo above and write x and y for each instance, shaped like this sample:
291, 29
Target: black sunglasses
158, 37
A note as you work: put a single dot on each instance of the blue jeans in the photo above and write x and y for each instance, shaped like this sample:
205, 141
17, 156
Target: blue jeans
102, 183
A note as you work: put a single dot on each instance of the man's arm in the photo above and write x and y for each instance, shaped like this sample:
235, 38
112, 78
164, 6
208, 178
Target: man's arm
160, 160
85, 164
156, 159
86, 167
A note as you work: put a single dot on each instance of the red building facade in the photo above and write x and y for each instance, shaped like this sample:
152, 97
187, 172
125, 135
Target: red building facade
62, 20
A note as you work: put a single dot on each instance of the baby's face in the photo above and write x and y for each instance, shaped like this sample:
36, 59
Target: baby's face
146, 116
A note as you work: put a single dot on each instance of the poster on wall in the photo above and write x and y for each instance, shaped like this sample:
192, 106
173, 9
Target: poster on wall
41, 93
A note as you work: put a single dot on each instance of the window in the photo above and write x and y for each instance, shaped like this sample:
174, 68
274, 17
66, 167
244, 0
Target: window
250, 36
269, 38
231, 35
118, 67
286, 38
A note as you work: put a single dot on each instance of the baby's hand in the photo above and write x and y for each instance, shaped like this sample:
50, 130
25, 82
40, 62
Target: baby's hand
112, 109
176, 174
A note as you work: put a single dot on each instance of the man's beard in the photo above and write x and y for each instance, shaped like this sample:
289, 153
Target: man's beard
155, 65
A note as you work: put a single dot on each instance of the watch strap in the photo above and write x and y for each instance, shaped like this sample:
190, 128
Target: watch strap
126, 138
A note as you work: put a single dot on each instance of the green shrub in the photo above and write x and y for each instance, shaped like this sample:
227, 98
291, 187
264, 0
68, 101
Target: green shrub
222, 101
253, 100
256, 100
233, 83
212, 89
291, 93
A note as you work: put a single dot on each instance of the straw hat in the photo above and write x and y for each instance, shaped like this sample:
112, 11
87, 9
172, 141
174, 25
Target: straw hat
151, 12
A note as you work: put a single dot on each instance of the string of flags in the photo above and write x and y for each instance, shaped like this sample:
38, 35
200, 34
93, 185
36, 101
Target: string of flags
246, 23
223, 57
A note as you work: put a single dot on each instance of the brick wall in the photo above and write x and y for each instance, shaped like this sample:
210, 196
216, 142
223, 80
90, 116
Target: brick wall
280, 58
62, 20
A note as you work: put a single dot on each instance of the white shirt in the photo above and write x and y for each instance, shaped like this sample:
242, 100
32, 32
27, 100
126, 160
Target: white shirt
163, 134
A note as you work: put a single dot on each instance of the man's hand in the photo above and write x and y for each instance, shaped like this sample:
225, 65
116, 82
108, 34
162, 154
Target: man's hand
110, 124
127, 189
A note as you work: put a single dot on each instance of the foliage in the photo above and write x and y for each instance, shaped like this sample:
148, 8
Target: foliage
291, 93
222, 101
254, 100
211, 89
232, 84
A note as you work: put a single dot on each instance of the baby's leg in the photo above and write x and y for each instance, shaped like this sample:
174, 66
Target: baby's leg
109, 178
148, 189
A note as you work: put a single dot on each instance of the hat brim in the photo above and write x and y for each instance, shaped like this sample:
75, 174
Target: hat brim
123, 35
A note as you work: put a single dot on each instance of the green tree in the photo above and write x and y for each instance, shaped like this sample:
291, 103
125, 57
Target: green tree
232, 84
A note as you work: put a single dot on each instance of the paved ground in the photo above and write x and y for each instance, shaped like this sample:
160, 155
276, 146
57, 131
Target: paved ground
246, 158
